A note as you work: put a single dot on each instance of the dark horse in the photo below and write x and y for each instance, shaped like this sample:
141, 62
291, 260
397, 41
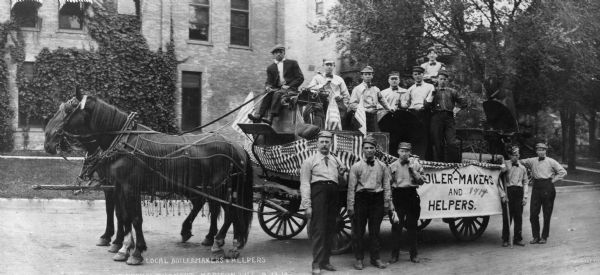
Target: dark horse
140, 161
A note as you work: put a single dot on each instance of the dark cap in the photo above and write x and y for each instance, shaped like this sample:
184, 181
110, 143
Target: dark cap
325, 134
541, 145
405, 145
444, 72
367, 69
371, 140
418, 69
278, 47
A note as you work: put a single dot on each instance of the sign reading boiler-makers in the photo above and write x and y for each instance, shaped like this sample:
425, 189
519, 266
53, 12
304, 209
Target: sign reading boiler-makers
461, 192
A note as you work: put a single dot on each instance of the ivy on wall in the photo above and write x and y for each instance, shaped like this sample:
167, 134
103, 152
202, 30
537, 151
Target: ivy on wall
122, 71
9, 32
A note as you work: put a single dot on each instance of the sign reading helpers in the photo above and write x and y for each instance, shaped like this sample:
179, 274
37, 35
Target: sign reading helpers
460, 192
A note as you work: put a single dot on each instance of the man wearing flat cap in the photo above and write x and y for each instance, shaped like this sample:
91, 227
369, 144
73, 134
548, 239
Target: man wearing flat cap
330, 87
514, 193
443, 129
283, 75
369, 197
395, 95
407, 176
420, 97
545, 172
319, 178
369, 96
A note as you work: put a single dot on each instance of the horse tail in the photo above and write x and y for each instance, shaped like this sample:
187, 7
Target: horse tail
245, 198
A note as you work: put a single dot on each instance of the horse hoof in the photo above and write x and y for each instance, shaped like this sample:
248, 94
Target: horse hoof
114, 248
217, 255
220, 243
233, 254
208, 242
185, 236
103, 242
135, 260
121, 257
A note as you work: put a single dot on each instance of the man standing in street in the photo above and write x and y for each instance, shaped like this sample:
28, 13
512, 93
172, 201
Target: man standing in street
334, 88
545, 172
369, 197
319, 178
515, 181
283, 75
369, 96
407, 176
443, 129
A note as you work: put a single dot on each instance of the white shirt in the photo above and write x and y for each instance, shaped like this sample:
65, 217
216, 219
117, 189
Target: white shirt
280, 69
394, 97
419, 94
337, 86
431, 70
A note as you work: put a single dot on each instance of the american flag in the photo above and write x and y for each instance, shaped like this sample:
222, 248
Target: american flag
361, 118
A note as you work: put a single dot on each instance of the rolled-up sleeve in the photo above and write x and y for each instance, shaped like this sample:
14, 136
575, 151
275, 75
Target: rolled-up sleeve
387, 187
305, 174
352, 186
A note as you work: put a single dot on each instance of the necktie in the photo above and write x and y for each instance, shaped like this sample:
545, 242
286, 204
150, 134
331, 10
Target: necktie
432, 64
325, 159
394, 88
329, 75
370, 162
541, 158
368, 84
419, 84
515, 164
404, 162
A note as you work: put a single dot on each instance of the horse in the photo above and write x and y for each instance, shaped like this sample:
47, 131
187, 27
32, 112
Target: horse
138, 160
55, 140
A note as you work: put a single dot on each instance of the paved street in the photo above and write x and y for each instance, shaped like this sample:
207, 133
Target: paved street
58, 236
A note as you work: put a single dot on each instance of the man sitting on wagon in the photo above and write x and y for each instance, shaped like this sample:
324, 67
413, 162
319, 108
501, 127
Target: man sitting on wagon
282, 76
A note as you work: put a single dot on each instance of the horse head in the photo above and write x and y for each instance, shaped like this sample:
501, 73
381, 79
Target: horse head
69, 127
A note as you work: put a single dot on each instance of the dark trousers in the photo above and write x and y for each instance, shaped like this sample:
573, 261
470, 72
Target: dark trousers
423, 146
515, 207
368, 208
325, 210
407, 204
443, 136
372, 125
270, 104
542, 197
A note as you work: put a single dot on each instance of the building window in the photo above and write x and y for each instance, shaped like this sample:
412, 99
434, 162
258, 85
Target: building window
319, 7
25, 13
199, 20
240, 22
25, 119
70, 15
191, 100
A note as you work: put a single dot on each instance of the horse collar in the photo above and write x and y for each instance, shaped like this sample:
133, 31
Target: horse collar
83, 101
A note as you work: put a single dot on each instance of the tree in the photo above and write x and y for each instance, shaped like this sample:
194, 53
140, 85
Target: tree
384, 34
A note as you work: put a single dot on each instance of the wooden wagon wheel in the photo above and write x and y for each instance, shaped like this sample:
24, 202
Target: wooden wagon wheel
468, 228
342, 241
422, 223
278, 224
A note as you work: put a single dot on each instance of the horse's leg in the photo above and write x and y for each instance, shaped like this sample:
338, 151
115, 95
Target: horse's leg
118, 242
140, 243
215, 211
186, 227
110, 224
128, 243
217, 247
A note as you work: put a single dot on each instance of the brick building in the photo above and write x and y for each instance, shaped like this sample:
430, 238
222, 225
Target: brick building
224, 46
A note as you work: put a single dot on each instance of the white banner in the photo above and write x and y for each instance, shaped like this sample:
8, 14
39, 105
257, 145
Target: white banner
461, 192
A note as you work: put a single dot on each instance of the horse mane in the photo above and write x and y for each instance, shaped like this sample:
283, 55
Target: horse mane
106, 116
